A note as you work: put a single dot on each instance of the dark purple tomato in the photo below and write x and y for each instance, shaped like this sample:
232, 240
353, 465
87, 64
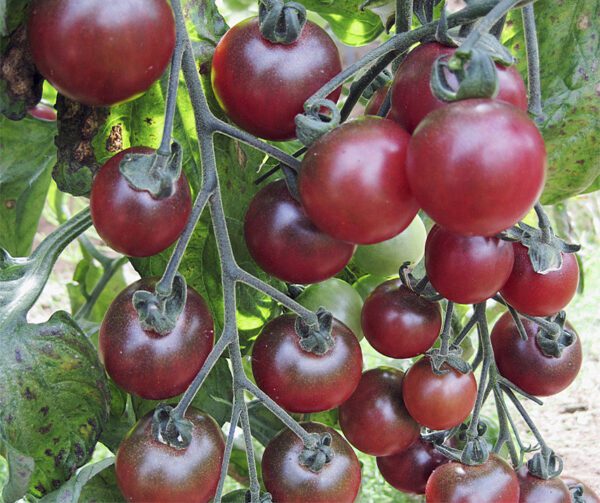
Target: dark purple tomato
150, 471
409, 470
534, 490
524, 364
301, 381
353, 182
540, 294
374, 419
589, 496
101, 53
262, 86
439, 402
476, 166
286, 244
467, 269
412, 98
399, 323
492, 482
146, 363
377, 100
134, 222
290, 482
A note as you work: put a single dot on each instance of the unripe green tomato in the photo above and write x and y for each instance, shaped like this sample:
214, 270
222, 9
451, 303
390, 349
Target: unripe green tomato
385, 258
366, 284
339, 298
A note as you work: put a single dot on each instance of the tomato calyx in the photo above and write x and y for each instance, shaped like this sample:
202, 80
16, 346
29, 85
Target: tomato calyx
545, 464
316, 456
421, 287
156, 173
171, 429
316, 339
577, 493
159, 311
553, 338
281, 23
315, 122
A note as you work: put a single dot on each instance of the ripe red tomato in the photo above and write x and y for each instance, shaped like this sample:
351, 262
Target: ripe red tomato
286, 244
290, 482
412, 98
476, 166
439, 402
132, 221
374, 419
493, 482
540, 294
399, 323
409, 470
524, 364
534, 490
467, 270
262, 86
145, 363
301, 381
353, 182
150, 471
589, 496
88, 52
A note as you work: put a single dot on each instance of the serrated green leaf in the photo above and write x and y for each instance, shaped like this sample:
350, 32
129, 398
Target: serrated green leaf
53, 398
27, 154
569, 40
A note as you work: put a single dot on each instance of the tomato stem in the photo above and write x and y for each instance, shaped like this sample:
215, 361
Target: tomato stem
404, 14
533, 63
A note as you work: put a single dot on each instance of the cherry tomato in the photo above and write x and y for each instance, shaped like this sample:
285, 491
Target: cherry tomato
524, 364
353, 182
132, 221
409, 470
366, 284
339, 298
439, 402
492, 482
377, 100
301, 381
374, 419
589, 496
151, 471
540, 294
142, 361
476, 166
263, 86
534, 490
290, 482
399, 323
285, 243
88, 52
467, 269
412, 98
385, 258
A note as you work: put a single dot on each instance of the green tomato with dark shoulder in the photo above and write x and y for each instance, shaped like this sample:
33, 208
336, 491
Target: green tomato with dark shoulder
339, 298
385, 258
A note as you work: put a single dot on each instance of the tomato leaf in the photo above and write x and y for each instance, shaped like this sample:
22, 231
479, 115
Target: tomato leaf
19, 474
569, 40
102, 488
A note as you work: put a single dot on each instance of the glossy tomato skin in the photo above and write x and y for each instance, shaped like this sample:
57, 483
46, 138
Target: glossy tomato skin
263, 86
589, 496
286, 244
80, 47
290, 482
409, 470
467, 269
476, 166
524, 363
438, 402
412, 98
374, 419
353, 182
492, 482
540, 294
534, 490
399, 323
300, 381
132, 221
145, 363
150, 471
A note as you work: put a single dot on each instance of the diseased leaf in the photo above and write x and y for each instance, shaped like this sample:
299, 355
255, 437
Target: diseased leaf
20, 469
569, 39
